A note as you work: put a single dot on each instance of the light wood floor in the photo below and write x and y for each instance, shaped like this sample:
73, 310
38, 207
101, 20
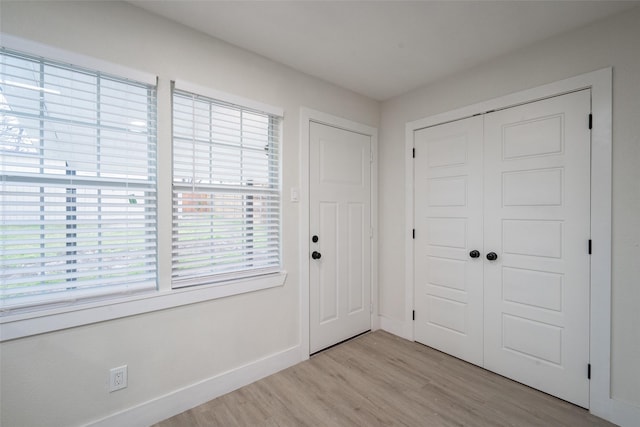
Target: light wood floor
381, 380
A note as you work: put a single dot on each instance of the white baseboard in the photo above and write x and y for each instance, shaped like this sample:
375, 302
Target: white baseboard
185, 398
396, 327
624, 414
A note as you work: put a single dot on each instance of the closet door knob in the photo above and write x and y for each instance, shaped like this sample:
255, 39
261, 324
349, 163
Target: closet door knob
492, 256
474, 254
316, 255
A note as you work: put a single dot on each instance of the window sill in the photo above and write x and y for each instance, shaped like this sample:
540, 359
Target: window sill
21, 325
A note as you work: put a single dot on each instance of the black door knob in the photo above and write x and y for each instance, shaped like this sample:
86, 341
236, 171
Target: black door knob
316, 255
314, 239
492, 256
474, 254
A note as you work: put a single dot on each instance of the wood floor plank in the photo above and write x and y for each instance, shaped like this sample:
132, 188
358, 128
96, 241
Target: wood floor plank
379, 379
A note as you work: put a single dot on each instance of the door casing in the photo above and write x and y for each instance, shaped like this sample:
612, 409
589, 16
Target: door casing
599, 82
307, 116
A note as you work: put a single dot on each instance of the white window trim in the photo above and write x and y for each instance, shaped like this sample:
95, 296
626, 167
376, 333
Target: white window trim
54, 319
600, 84
67, 314
240, 101
79, 60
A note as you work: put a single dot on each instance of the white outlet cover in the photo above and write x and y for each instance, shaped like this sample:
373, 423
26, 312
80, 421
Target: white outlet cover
118, 378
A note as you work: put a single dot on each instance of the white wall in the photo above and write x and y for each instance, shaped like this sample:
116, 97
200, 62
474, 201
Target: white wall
612, 42
60, 378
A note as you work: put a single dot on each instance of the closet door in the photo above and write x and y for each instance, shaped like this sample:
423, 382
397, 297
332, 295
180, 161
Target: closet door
536, 221
448, 228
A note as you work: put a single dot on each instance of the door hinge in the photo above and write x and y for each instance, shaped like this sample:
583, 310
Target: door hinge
371, 156
414, 315
414, 153
589, 246
589, 371
590, 121
371, 232
370, 308
414, 233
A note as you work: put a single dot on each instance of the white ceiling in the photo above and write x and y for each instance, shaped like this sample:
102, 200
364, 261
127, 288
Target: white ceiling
382, 48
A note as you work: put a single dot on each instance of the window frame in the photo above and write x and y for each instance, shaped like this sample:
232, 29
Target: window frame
97, 179
275, 118
27, 323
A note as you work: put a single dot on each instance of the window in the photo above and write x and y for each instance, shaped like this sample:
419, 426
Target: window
79, 216
226, 191
78, 183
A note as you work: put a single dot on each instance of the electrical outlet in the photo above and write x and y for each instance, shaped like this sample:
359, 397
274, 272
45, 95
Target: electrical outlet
118, 378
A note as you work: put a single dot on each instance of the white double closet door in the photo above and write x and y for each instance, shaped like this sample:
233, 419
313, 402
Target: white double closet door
514, 183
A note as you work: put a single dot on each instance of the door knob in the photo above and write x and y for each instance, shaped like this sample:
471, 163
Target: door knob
474, 254
316, 255
314, 239
492, 256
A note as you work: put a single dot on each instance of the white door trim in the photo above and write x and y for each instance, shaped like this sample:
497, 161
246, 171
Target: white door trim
600, 83
308, 115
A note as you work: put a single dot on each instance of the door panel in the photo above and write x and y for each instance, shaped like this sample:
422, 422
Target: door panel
340, 215
537, 157
355, 262
328, 291
448, 221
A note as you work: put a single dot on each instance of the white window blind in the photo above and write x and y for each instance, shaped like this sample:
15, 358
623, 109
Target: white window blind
78, 183
226, 191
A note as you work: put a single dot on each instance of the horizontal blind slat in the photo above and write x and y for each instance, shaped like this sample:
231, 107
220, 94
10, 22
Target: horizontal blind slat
67, 286
181, 282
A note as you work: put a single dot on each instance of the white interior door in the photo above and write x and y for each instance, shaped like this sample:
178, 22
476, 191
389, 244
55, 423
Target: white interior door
340, 220
528, 293
448, 222
537, 220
